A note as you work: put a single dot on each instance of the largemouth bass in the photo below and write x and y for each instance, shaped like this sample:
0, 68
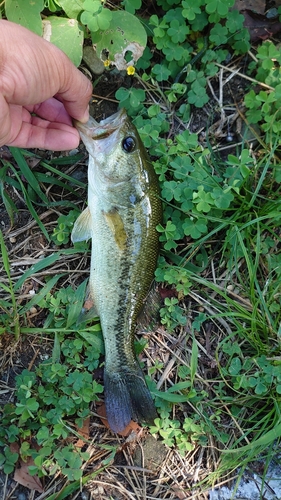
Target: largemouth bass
123, 210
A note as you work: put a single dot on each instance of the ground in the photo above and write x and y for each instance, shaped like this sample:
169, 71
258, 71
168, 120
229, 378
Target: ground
142, 467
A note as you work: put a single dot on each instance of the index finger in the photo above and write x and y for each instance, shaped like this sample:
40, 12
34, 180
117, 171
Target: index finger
77, 95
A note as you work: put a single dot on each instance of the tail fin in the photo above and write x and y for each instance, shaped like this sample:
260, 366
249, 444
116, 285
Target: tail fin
127, 397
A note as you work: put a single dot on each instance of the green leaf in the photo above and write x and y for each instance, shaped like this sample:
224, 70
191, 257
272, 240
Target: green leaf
194, 359
131, 5
221, 7
96, 17
265, 440
234, 21
26, 13
178, 31
76, 304
203, 200
168, 396
28, 174
235, 366
222, 198
197, 95
37, 298
66, 34
190, 9
4, 255
125, 34
260, 388
218, 34
10, 207
94, 337
72, 8
194, 228
174, 52
161, 72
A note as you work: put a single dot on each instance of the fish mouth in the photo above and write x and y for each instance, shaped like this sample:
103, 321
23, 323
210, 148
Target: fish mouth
94, 130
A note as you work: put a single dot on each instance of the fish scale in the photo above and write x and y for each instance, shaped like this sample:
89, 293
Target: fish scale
123, 211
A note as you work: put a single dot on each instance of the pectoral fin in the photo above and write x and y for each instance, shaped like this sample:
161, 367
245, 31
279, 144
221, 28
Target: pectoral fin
115, 223
82, 227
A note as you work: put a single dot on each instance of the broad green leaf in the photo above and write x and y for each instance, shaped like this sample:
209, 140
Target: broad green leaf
94, 337
172, 398
125, 34
72, 7
179, 386
65, 34
131, 5
26, 13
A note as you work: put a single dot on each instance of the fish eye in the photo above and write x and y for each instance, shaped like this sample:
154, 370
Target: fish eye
129, 144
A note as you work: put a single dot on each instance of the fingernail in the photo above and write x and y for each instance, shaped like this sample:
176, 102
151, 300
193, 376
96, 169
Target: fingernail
86, 115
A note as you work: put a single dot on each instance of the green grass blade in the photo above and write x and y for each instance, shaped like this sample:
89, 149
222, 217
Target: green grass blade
194, 359
41, 294
8, 202
262, 442
77, 304
42, 264
172, 398
4, 254
28, 174
56, 352
29, 204
63, 175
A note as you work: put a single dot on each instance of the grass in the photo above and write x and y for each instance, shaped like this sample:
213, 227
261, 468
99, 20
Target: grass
213, 355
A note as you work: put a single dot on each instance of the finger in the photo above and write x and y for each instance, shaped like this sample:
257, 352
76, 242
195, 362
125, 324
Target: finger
42, 134
51, 110
76, 97
50, 74
5, 122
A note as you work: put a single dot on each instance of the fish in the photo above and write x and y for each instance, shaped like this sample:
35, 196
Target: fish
124, 208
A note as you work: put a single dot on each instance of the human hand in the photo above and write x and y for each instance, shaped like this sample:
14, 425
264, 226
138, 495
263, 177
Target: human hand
40, 92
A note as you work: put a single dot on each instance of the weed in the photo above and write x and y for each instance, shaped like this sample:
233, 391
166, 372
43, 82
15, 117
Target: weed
61, 233
53, 401
9, 307
125, 28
